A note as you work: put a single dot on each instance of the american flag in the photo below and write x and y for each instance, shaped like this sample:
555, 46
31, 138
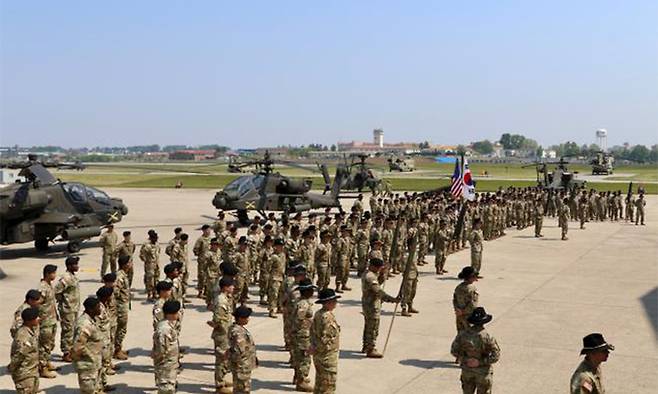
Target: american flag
457, 184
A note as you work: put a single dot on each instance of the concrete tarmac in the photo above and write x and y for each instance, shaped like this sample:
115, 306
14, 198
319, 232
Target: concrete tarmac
545, 295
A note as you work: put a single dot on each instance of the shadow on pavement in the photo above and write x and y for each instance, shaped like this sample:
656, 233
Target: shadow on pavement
650, 304
276, 386
351, 354
428, 364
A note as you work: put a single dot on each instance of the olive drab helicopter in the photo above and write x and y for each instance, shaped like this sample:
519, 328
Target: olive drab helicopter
361, 175
602, 163
558, 179
43, 209
401, 164
267, 190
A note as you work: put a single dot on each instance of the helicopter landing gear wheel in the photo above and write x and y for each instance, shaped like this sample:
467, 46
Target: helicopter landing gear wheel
41, 244
74, 246
243, 218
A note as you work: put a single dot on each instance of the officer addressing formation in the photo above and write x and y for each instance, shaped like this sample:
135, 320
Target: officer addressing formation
288, 260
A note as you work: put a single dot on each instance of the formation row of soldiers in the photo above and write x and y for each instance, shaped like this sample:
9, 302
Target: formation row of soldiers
285, 258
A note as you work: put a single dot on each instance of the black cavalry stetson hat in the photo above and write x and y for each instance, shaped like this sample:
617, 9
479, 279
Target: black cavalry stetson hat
467, 272
326, 295
479, 316
595, 342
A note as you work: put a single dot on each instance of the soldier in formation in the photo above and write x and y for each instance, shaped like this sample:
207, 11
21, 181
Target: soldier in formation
587, 379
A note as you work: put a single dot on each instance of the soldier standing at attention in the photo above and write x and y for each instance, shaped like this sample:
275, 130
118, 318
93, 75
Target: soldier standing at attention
301, 327
441, 240
180, 254
306, 252
149, 253
122, 297
343, 259
325, 343
47, 318
211, 260
410, 279
67, 294
24, 364
476, 239
465, 297
264, 277
220, 323
563, 218
476, 351
127, 248
640, 203
32, 300
362, 241
165, 349
242, 263
587, 377
201, 246
108, 242
104, 295
371, 304
242, 351
164, 290
87, 348
323, 260
277, 267
539, 217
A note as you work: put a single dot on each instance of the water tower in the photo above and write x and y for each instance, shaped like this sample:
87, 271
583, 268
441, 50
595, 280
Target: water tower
378, 137
602, 139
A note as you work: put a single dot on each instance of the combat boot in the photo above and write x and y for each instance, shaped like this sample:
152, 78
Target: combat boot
303, 386
110, 371
120, 355
338, 288
405, 312
345, 288
272, 315
46, 373
412, 310
224, 390
262, 301
373, 353
67, 358
51, 367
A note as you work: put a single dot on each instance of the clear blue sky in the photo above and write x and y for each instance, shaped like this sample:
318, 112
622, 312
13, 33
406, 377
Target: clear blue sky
86, 73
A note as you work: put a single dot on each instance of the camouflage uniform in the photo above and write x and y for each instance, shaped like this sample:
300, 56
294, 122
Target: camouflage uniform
122, 297
306, 254
127, 249
201, 246
103, 323
47, 323
371, 304
165, 356
464, 300
221, 319
476, 343
277, 266
322, 262
179, 253
264, 278
242, 357
301, 328
362, 243
343, 249
586, 379
87, 354
108, 242
325, 339
476, 239
563, 220
149, 253
639, 210
241, 261
67, 293
441, 239
158, 313
24, 364
18, 320
539, 218
211, 260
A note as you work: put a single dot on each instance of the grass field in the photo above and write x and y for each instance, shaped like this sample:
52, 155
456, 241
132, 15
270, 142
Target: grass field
217, 181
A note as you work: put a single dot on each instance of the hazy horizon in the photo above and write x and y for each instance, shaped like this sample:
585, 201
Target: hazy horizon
84, 74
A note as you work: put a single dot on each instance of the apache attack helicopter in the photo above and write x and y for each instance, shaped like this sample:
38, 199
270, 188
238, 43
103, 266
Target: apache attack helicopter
43, 209
602, 163
361, 175
266, 190
559, 179
401, 164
